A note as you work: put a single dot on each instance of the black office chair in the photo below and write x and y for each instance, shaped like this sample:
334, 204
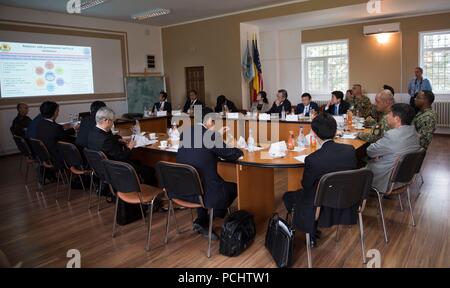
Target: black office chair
179, 181
125, 181
45, 162
26, 154
419, 170
95, 161
402, 176
342, 190
73, 163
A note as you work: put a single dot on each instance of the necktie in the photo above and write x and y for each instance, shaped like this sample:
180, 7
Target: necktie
306, 110
336, 111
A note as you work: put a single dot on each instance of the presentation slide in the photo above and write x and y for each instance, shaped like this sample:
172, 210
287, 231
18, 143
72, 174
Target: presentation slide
30, 69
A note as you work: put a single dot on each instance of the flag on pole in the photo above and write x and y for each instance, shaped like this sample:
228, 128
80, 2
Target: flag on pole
247, 65
257, 83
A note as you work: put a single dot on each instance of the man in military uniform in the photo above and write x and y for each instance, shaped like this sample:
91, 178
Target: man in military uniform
383, 103
426, 118
361, 104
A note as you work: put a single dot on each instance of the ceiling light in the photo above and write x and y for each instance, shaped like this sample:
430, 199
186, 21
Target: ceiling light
151, 13
91, 3
383, 38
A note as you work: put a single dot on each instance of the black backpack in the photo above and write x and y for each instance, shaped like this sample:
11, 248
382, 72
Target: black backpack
238, 233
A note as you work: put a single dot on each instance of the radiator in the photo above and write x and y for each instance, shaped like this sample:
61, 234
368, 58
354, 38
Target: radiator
443, 114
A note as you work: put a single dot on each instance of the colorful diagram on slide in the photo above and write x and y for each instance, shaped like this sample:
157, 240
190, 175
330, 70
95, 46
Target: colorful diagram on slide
34, 69
49, 76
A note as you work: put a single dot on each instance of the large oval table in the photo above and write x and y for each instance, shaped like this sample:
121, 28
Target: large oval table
255, 173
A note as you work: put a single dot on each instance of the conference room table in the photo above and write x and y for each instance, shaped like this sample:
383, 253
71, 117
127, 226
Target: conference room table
255, 174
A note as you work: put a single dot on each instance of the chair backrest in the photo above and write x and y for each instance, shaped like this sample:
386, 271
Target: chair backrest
95, 161
343, 189
179, 180
23, 146
406, 166
122, 176
40, 151
70, 154
421, 159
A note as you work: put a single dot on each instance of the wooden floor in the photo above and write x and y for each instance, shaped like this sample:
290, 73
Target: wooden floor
38, 231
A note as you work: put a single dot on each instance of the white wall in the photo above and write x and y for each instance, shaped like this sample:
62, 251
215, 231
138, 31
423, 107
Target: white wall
142, 40
281, 61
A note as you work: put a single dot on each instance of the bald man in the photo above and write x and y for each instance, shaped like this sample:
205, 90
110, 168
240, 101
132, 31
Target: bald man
383, 104
21, 122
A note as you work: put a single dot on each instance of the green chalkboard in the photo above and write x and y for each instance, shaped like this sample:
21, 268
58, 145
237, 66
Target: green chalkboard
143, 91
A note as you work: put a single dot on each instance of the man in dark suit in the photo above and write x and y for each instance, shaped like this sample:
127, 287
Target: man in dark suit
307, 105
21, 122
280, 103
218, 193
191, 102
50, 132
337, 105
88, 124
163, 104
331, 157
101, 138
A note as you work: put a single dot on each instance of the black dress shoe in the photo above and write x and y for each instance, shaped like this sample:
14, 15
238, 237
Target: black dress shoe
200, 229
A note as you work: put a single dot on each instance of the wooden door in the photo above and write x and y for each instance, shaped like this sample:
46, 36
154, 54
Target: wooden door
195, 80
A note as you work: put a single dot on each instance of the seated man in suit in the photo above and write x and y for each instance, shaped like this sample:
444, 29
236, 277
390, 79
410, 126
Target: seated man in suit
426, 119
50, 132
401, 139
223, 104
218, 193
101, 138
337, 106
307, 105
32, 127
280, 103
331, 157
88, 124
21, 122
191, 102
163, 104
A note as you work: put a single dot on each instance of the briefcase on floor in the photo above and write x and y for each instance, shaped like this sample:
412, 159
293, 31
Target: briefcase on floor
127, 213
280, 241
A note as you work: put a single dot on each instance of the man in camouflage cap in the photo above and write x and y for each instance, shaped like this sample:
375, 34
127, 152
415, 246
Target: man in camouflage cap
426, 118
383, 103
360, 103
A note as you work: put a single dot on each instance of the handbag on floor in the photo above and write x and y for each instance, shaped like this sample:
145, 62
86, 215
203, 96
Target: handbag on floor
280, 241
238, 233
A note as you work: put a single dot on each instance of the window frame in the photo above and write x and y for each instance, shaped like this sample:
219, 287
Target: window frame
304, 68
421, 54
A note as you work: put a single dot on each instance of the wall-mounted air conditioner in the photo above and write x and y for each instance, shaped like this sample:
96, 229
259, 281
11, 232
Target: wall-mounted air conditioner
382, 28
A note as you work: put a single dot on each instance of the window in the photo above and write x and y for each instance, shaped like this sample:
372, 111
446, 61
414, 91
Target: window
435, 59
325, 66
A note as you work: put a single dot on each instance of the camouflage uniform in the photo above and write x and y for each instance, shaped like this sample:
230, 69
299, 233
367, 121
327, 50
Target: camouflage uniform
377, 132
425, 123
362, 105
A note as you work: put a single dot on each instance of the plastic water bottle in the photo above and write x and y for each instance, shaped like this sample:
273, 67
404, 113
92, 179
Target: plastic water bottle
290, 145
301, 138
250, 140
137, 128
283, 113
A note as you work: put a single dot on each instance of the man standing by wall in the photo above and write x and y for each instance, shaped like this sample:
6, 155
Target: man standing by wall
417, 84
